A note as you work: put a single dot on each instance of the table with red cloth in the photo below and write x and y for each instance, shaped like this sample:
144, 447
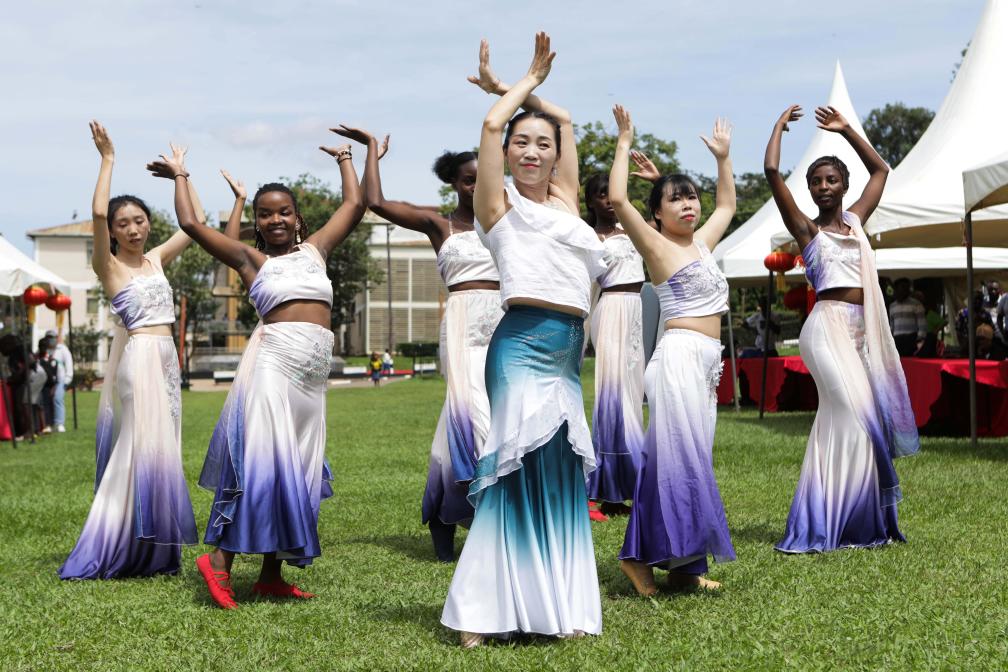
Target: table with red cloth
5, 426
939, 391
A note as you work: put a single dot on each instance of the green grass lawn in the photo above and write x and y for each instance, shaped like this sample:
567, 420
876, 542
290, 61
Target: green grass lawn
937, 602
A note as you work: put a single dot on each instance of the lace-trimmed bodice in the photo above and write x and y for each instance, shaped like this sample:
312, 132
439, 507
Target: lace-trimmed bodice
698, 289
464, 258
625, 264
833, 260
299, 275
145, 301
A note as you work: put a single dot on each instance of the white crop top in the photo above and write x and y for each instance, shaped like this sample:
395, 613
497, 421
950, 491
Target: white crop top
625, 265
545, 254
833, 260
698, 289
145, 301
463, 258
298, 275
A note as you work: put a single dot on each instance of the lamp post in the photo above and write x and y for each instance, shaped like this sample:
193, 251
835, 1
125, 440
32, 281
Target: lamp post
388, 278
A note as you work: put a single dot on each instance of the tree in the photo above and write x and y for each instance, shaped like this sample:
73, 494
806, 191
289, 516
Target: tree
350, 266
895, 129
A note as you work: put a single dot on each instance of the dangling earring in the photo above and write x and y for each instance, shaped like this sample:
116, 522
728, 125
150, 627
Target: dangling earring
553, 173
297, 233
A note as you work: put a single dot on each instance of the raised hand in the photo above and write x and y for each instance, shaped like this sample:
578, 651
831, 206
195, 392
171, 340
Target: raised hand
829, 118
102, 140
792, 113
542, 58
720, 142
383, 147
170, 168
645, 167
237, 186
335, 151
486, 79
623, 121
356, 134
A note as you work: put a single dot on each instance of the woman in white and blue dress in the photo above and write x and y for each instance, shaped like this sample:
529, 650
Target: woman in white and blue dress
471, 314
678, 518
848, 488
141, 514
528, 564
266, 460
616, 333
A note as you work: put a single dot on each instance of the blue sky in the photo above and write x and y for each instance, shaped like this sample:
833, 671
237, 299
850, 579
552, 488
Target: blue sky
253, 86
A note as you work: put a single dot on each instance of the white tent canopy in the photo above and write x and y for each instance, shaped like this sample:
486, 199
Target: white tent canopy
741, 254
924, 191
986, 185
18, 272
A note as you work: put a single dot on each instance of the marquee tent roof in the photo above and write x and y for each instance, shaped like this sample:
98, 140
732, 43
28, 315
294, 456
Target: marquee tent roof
18, 272
923, 201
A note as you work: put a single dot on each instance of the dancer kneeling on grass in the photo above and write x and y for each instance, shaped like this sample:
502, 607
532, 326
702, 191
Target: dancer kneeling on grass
678, 517
616, 332
528, 564
141, 514
266, 459
848, 489
471, 315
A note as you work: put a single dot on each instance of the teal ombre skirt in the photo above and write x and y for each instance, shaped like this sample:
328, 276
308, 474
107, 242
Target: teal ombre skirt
528, 564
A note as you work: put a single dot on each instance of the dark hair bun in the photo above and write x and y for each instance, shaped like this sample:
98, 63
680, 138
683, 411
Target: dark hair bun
447, 166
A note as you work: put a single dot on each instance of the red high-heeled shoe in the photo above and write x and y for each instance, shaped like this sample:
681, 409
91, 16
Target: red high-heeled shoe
219, 583
281, 589
595, 514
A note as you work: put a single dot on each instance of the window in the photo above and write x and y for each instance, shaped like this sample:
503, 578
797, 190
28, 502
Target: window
90, 252
92, 299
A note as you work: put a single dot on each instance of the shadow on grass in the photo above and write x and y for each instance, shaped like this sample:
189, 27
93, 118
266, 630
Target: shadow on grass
787, 424
995, 449
758, 533
414, 547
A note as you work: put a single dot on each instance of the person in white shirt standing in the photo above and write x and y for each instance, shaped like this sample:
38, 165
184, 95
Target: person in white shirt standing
906, 319
64, 377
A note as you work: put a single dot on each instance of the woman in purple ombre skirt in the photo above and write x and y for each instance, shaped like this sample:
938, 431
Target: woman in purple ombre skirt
678, 517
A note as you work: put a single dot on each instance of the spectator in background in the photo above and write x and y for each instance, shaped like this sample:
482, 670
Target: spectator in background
36, 383
17, 378
64, 377
906, 319
980, 316
375, 367
386, 363
988, 347
936, 322
757, 323
1000, 318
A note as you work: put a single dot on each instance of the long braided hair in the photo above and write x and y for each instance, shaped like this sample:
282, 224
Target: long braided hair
300, 231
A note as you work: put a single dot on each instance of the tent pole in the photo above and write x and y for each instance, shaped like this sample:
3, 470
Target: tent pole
971, 322
73, 388
731, 352
766, 350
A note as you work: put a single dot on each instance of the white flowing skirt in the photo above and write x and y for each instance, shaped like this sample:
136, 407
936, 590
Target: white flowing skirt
266, 461
141, 512
469, 321
618, 414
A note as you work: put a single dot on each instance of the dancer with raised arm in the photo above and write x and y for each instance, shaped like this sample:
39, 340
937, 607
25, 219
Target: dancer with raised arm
848, 488
266, 461
616, 326
141, 514
471, 314
528, 564
678, 517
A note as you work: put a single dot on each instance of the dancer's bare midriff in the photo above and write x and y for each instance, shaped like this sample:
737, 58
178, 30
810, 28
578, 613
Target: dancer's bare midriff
474, 284
846, 294
708, 325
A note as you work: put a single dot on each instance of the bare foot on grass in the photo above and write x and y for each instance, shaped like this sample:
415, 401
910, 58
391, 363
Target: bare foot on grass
680, 581
641, 576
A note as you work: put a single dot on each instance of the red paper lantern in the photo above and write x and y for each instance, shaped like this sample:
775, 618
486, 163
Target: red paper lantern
35, 296
796, 299
779, 262
58, 302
